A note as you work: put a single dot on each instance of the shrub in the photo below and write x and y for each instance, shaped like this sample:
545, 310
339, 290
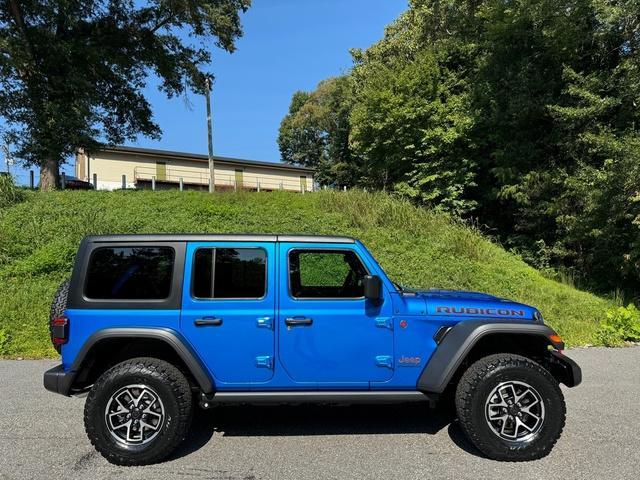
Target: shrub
417, 247
9, 193
621, 325
4, 341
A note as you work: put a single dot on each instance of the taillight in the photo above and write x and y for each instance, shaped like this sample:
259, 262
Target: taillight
60, 330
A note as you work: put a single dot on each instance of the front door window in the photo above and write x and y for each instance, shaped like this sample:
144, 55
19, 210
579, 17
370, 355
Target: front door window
326, 274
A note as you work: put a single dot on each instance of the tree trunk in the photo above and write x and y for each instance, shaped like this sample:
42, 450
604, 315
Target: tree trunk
49, 175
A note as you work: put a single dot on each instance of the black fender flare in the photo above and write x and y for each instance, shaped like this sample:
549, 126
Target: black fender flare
458, 341
64, 380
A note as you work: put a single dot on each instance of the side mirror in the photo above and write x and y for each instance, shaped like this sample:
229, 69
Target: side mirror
373, 288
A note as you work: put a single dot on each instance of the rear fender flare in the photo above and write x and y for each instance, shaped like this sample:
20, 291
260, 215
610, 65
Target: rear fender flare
169, 336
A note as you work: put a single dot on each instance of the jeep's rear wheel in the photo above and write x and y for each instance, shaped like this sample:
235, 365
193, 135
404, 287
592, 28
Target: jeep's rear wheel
510, 407
138, 411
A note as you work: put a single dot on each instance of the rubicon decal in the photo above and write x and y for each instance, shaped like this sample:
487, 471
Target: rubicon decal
505, 312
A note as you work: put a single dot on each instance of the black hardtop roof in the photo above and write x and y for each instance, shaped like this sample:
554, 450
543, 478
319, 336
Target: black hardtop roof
214, 237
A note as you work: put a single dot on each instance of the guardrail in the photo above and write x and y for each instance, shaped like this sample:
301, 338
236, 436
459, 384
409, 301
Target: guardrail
177, 177
183, 177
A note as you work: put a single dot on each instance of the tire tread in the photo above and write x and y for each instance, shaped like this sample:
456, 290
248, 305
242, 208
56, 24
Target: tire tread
471, 380
162, 371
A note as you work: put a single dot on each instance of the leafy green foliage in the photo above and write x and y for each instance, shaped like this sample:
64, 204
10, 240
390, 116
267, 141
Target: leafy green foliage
73, 73
9, 193
411, 124
315, 133
416, 247
323, 269
621, 325
4, 342
521, 114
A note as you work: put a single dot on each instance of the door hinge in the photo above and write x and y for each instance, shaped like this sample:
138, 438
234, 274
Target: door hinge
384, 322
265, 322
264, 361
384, 361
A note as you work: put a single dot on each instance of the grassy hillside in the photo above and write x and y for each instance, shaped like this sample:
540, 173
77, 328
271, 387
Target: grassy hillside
39, 238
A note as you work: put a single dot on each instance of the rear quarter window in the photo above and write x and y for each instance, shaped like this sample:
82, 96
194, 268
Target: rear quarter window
130, 273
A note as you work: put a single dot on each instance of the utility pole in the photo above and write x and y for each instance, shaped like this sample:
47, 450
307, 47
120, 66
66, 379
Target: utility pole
212, 178
7, 157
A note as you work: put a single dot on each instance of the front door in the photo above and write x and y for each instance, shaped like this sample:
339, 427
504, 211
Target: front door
329, 334
228, 309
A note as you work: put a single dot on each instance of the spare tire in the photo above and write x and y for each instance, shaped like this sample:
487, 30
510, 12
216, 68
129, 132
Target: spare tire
58, 306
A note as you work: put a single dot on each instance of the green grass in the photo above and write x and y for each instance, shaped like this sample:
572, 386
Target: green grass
40, 235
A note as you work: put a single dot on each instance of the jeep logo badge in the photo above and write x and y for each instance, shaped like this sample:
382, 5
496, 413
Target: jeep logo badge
409, 361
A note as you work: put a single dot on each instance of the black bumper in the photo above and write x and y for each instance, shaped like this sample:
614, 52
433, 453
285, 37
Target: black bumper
58, 381
572, 372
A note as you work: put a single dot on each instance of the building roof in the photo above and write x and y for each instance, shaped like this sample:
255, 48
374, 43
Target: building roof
215, 237
202, 158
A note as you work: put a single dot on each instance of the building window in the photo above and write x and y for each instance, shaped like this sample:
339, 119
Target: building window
130, 273
220, 273
326, 274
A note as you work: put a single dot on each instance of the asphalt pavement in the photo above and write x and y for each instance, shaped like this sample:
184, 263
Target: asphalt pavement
42, 436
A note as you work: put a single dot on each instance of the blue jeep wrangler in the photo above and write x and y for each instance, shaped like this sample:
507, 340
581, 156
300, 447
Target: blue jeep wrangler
150, 325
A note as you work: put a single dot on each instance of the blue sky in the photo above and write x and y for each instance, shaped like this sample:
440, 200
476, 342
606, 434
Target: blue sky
288, 45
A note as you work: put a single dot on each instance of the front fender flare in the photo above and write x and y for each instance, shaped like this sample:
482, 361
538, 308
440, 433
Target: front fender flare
458, 342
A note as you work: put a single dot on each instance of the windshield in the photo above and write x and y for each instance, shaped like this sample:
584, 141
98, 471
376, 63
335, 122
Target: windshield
403, 288
399, 287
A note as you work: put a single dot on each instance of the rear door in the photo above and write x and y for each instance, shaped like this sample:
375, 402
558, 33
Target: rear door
228, 309
329, 334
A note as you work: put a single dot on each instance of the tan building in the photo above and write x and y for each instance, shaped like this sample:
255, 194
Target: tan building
142, 166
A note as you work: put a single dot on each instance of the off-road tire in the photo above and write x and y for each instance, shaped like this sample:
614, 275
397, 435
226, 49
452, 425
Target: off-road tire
476, 385
172, 388
59, 305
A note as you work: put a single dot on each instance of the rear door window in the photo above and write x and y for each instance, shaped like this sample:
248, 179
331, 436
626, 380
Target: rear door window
220, 273
130, 273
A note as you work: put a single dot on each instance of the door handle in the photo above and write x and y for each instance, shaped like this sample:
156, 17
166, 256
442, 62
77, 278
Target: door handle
207, 322
298, 321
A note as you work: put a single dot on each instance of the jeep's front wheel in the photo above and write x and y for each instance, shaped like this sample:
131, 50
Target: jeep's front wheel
510, 407
138, 411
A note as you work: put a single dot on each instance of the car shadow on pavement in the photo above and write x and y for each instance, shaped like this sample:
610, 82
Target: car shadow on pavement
306, 420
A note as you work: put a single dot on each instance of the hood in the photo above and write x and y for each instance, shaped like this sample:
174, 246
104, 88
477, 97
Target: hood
456, 303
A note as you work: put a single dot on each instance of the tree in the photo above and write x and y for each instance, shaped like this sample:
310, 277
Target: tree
597, 206
72, 72
522, 114
315, 133
410, 123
